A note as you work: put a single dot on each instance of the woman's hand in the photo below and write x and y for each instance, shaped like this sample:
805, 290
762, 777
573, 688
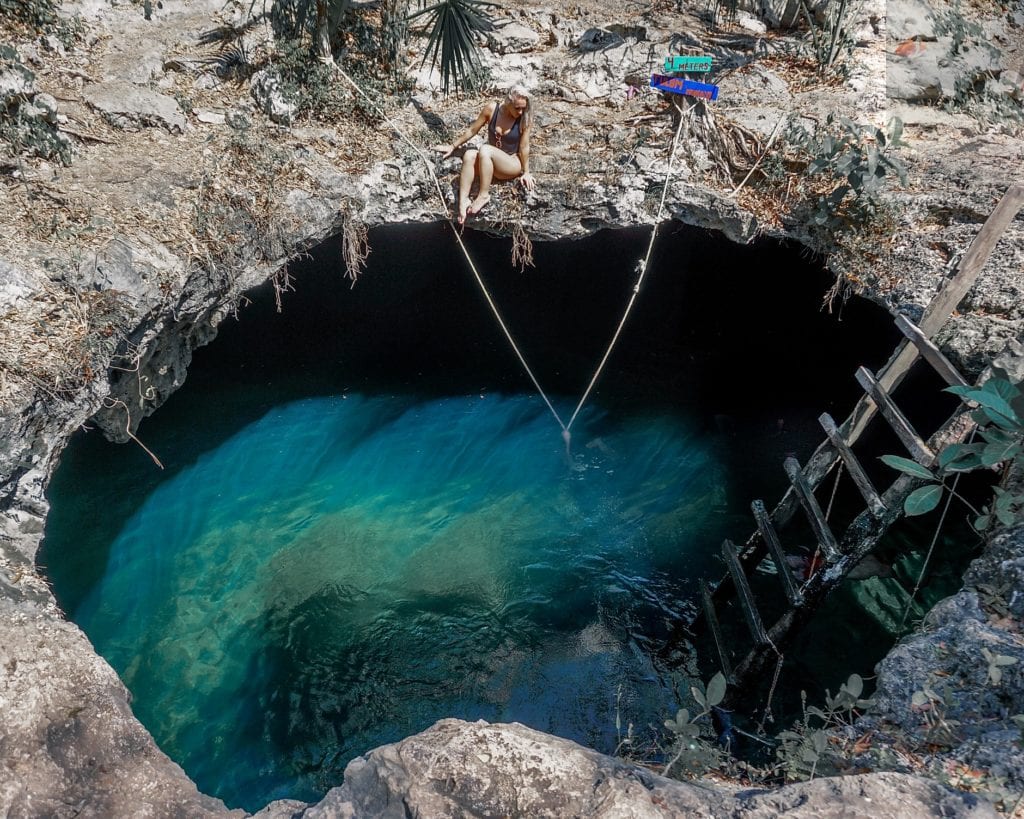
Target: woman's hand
527, 181
447, 150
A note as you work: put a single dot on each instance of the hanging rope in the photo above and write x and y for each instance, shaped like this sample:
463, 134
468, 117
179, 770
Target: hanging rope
641, 266
767, 715
935, 539
458, 238
835, 486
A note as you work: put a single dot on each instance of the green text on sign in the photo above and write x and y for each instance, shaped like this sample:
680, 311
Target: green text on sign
685, 63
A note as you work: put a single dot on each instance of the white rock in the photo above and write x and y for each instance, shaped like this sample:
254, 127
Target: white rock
135, 105
269, 96
512, 38
749, 22
210, 117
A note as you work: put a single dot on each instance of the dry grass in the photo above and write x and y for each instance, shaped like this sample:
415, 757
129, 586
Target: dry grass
56, 341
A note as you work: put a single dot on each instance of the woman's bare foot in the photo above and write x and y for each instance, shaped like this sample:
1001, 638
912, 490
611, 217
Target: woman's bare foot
463, 207
479, 203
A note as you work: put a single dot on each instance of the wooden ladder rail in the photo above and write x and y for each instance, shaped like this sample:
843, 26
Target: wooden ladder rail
872, 523
826, 456
857, 541
837, 447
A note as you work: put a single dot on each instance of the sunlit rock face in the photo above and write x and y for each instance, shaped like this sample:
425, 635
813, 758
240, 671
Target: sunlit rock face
168, 303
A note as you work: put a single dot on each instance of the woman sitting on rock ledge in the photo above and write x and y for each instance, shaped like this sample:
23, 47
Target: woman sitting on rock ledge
506, 154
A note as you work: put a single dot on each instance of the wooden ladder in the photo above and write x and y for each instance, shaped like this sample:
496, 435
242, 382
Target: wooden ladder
840, 554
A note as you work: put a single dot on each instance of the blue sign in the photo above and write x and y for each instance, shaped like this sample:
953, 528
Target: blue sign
689, 88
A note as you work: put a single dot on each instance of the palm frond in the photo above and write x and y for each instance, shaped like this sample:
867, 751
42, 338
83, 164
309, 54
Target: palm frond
452, 25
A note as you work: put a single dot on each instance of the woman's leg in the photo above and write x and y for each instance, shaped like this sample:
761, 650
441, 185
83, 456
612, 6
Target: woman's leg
466, 181
493, 163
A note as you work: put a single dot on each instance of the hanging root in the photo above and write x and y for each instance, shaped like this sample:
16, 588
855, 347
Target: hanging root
733, 149
512, 219
110, 403
355, 246
282, 282
522, 248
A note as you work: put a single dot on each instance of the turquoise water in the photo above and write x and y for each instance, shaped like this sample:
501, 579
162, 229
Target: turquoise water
343, 571
366, 524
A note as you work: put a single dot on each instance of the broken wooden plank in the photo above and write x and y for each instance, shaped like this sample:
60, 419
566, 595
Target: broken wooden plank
771, 538
860, 479
860, 537
908, 436
930, 353
822, 532
716, 630
744, 595
942, 306
893, 372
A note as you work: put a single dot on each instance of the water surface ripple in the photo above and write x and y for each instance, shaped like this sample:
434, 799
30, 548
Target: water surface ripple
346, 570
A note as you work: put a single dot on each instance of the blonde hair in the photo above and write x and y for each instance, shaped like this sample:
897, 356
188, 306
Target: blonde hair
519, 90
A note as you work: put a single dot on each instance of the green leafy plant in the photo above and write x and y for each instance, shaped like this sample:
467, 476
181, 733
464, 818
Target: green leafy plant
963, 33
832, 36
453, 25
37, 15
804, 748
695, 752
933, 702
996, 664
26, 129
1000, 419
856, 160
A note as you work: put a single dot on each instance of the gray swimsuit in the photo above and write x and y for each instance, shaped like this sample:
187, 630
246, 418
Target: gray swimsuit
509, 142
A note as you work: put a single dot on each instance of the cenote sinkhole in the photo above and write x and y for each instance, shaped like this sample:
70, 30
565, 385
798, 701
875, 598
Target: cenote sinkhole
368, 521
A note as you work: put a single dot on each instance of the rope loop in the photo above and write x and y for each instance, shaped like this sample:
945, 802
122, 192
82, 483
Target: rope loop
641, 267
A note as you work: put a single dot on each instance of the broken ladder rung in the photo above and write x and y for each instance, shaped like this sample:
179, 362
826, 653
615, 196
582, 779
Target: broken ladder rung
716, 630
857, 473
917, 448
743, 593
822, 532
930, 353
771, 539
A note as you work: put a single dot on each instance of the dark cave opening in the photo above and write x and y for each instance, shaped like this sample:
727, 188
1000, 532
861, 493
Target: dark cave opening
732, 338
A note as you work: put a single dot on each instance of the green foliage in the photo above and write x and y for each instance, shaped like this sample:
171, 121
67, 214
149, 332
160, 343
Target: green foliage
36, 15
695, 750
804, 748
832, 37
856, 160
25, 129
452, 25
932, 703
321, 95
1000, 419
964, 34
996, 664
988, 101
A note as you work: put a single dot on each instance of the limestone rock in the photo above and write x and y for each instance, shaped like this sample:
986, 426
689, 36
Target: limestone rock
598, 39
512, 38
466, 769
909, 19
748, 22
47, 105
271, 98
132, 106
930, 71
74, 747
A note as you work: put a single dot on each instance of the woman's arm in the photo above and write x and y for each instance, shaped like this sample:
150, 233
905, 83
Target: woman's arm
524, 159
482, 119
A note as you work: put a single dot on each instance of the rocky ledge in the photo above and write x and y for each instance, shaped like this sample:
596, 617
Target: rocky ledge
184, 193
